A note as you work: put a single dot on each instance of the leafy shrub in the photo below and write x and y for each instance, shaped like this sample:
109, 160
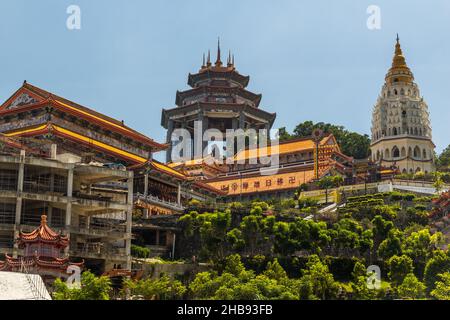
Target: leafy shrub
139, 252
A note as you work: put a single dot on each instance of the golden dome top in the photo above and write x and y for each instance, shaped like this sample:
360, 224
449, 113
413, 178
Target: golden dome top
399, 71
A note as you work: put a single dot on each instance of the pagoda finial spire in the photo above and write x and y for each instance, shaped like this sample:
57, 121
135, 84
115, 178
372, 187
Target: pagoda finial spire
203, 61
399, 70
399, 59
208, 61
229, 64
218, 61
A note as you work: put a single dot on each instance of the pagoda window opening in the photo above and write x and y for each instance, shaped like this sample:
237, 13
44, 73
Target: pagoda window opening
403, 153
424, 154
395, 152
387, 154
415, 131
395, 131
417, 152
395, 92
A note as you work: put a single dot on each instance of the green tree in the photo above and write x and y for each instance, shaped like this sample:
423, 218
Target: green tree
163, 288
391, 246
442, 287
328, 182
411, 288
322, 283
438, 183
399, 267
419, 245
437, 264
92, 288
443, 161
283, 134
361, 290
237, 283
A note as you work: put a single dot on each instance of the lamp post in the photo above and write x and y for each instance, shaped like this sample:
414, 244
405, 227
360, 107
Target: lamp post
317, 136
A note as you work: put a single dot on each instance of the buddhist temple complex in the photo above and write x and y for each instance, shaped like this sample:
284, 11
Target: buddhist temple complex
102, 190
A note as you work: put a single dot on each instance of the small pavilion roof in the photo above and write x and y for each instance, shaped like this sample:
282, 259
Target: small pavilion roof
43, 234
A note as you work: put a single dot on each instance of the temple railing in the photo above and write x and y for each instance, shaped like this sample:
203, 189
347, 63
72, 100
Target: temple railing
157, 201
118, 231
98, 250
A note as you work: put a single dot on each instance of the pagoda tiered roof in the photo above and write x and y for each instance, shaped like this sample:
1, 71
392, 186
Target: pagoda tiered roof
212, 106
218, 70
218, 73
36, 261
60, 264
209, 90
43, 234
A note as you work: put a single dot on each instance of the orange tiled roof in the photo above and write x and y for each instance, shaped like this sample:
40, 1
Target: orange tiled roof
207, 161
81, 111
56, 263
292, 146
44, 234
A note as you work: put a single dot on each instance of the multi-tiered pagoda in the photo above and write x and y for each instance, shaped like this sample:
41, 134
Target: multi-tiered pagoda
42, 253
218, 99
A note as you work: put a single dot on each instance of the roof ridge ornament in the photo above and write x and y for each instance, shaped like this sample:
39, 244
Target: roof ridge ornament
218, 61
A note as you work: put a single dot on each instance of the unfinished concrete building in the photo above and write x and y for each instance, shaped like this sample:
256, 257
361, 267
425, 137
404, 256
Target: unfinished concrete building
91, 204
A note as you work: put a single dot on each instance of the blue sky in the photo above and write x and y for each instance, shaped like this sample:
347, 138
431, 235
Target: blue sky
311, 60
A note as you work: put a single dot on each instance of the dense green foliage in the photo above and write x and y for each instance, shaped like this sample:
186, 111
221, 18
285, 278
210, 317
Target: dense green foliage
92, 288
288, 250
139, 252
163, 288
387, 229
443, 161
